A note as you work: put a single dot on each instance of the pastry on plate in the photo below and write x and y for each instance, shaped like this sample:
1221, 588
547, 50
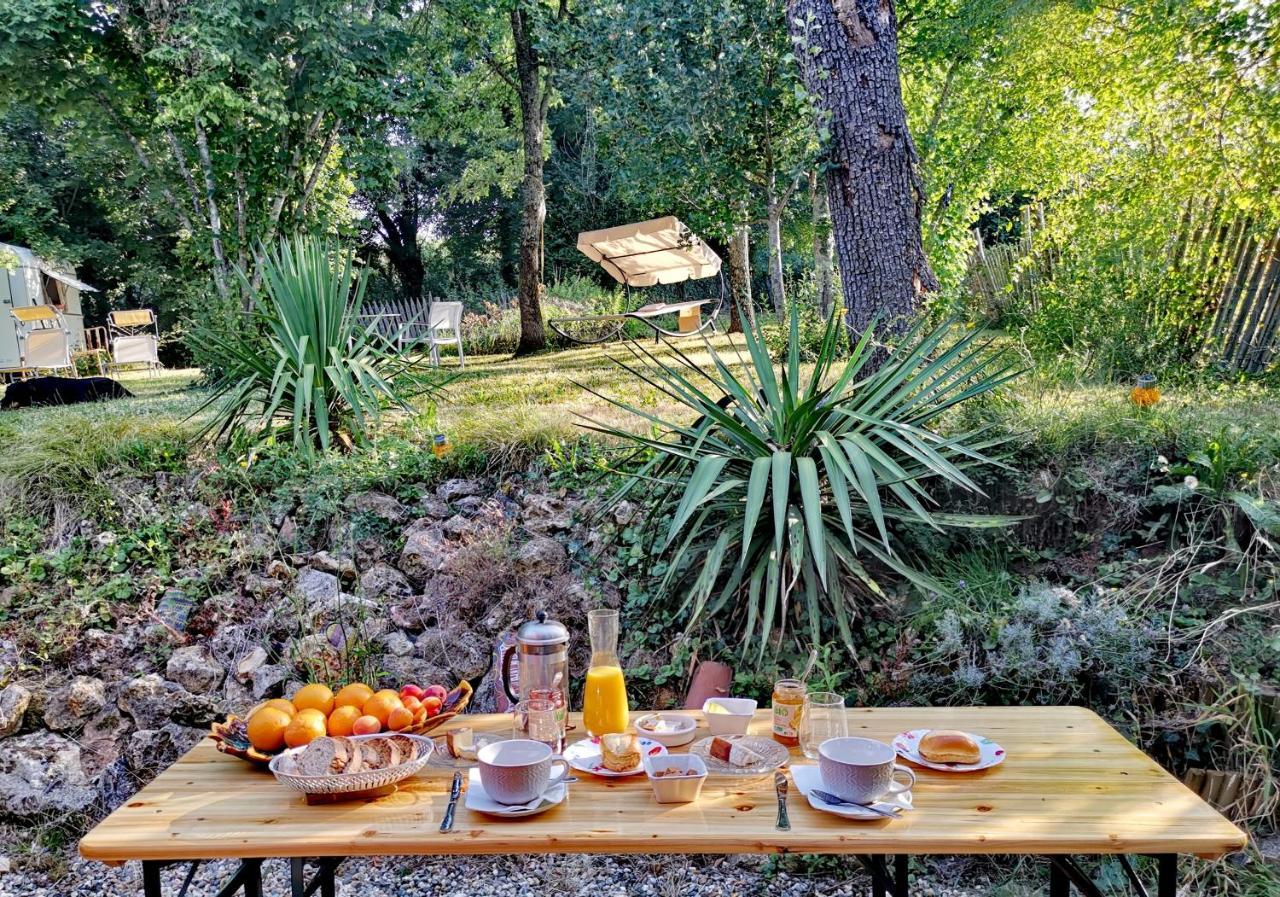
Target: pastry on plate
948, 746
620, 751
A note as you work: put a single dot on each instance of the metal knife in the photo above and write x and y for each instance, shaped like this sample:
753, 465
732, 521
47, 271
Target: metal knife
780, 785
447, 824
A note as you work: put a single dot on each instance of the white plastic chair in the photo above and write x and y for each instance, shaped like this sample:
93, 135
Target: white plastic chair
44, 340
445, 317
135, 338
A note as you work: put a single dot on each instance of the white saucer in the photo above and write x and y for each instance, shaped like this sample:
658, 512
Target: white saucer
908, 743
585, 756
809, 777
476, 799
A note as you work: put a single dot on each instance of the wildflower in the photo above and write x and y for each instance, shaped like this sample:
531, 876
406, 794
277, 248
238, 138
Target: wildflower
1191, 482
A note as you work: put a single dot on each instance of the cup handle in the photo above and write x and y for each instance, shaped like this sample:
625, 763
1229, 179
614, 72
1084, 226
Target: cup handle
554, 778
898, 787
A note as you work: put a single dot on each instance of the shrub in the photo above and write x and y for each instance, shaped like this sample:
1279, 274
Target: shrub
1048, 646
317, 372
783, 498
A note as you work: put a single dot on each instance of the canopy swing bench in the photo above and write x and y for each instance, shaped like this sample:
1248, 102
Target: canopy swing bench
646, 254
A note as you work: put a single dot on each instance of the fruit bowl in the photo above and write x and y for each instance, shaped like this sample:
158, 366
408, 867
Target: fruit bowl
232, 734
454, 702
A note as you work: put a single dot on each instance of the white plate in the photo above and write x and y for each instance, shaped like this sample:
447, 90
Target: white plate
809, 777
908, 747
477, 799
775, 756
585, 756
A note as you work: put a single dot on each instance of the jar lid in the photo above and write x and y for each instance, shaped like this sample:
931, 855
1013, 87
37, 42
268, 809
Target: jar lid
542, 631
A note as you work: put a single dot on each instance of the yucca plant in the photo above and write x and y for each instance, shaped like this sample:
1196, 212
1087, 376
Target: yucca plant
312, 373
778, 502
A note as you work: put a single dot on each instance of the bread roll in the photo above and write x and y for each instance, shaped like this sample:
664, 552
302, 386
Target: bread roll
946, 746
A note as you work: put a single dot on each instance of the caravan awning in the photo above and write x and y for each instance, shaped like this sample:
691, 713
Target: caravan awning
650, 252
65, 278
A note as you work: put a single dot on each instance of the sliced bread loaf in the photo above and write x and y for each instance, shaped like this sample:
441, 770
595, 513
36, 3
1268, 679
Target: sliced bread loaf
324, 756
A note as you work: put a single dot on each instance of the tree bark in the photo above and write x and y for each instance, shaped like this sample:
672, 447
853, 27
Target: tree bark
849, 61
773, 223
740, 280
533, 94
823, 246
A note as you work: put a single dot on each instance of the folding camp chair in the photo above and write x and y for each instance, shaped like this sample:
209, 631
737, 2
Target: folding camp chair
44, 340
135, 338
445, 317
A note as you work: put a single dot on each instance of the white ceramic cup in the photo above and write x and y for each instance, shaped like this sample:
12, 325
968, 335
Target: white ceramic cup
517, 771
861, 770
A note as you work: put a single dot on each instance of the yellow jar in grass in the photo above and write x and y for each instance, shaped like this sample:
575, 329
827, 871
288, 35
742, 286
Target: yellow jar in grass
1145, 393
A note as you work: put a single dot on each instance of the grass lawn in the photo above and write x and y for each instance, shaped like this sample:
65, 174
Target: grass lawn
515, 409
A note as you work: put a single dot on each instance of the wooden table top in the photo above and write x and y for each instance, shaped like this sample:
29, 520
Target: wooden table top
1070, 785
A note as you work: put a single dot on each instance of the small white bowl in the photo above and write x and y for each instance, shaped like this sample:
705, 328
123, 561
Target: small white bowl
676, 789
736, 721
682, 733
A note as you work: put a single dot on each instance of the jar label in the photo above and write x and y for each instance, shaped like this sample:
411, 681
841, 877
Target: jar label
786, 719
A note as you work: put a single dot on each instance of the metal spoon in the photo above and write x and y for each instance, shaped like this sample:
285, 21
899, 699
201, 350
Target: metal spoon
829, 798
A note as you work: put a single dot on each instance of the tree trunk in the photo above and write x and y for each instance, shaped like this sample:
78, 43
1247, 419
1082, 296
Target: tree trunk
533, 120
823, 246
740, 279
873, 184
777, 289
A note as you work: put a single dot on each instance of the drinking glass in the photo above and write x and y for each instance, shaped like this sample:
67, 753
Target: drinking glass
823, 718
538, 719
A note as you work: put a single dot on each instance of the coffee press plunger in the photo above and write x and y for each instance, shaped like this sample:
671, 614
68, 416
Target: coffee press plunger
542, 646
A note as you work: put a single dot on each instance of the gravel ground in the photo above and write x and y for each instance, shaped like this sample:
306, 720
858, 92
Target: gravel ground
508, 876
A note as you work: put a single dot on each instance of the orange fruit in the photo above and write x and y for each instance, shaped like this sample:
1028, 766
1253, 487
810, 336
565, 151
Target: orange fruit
314, 697
282, 704
381, 705
267, 726
305, 728
366, 725
399, 718
353, 695
342, 719
412, 704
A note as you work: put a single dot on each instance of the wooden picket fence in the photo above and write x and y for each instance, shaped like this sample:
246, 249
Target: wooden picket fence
405, 319
1224, 274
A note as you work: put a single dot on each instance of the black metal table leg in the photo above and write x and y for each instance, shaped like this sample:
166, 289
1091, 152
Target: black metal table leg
1059, 886
247, 880
901, 875
1168, 875
151, 886
323, 882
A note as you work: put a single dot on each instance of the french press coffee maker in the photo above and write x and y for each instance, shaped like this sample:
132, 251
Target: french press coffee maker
542, 674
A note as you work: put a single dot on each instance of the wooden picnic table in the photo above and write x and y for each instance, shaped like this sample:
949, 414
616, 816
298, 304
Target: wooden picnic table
1070, 786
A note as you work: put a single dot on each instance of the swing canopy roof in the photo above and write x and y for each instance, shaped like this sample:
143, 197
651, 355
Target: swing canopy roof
661, 250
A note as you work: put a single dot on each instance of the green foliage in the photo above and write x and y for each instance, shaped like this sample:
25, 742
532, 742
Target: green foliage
319, 371
785, 495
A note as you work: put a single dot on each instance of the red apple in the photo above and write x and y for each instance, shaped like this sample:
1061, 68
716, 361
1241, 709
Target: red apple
435, 691
411, 691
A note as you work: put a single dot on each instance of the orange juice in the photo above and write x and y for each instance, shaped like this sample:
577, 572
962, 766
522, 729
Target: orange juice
604, 701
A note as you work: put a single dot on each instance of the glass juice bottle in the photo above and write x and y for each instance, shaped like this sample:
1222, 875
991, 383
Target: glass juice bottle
604, 702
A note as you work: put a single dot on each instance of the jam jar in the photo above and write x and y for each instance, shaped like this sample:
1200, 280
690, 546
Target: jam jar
788, 705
